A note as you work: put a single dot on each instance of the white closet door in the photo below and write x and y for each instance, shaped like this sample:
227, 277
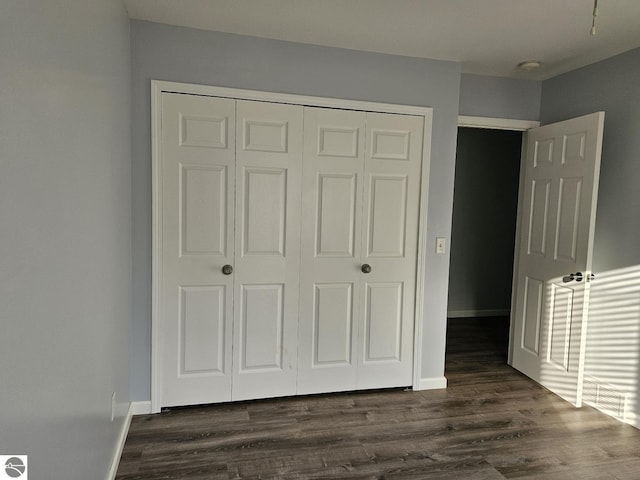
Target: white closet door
389, 246
198, 176
269, 214
268, 169
330, 267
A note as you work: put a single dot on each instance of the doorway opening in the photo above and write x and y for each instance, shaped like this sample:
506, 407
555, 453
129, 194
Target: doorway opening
482, 241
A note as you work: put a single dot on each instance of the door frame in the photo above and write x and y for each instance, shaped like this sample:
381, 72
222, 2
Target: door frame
159, 87
523, 126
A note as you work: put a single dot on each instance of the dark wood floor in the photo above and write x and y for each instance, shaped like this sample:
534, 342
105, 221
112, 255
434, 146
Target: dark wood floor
491, 423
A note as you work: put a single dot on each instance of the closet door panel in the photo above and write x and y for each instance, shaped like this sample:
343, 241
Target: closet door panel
332, 325
387, 215
201, 330
392, 169
382, 332
264, 211
330, 266
198, 176
267, 264
335, 225
261, 346
203, 195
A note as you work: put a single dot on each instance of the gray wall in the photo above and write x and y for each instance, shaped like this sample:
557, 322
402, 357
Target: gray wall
613, 348
65, 235
484, 220
196, 56
484, 96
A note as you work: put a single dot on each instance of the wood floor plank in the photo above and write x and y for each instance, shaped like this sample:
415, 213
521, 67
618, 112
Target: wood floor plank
490, 423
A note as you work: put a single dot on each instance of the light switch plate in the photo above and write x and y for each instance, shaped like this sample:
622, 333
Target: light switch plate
441, 245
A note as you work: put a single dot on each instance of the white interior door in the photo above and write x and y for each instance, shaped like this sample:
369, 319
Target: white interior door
361, 185
331, 249
198, 177
557, 222
268, 169
393, 155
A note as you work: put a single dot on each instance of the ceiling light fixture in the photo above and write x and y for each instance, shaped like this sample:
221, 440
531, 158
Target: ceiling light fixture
529, 65
595, 14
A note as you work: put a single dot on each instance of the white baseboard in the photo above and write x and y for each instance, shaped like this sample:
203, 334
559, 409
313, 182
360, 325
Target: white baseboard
632, 419
141, 408
478, 313
122, 438
432, 383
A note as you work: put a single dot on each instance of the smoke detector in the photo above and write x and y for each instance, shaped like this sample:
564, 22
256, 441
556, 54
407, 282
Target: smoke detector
529, 65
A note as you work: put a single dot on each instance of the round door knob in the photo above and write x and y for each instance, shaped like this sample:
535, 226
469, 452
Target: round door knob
573, 276
576, 276
366, 268
227, 269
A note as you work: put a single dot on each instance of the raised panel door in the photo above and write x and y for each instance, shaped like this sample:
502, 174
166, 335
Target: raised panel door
266, 268
198, 176
391, 186
330, 266
560, 179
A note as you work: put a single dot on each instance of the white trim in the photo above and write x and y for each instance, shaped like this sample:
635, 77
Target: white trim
158, 87
496, 123
516, 252
431, 383
422, 248
122, 438
274, 97
140, 408
504, 312
631, 418
156, 243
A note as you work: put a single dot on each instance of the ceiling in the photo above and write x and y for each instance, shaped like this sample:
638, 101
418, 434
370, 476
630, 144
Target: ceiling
488, 37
